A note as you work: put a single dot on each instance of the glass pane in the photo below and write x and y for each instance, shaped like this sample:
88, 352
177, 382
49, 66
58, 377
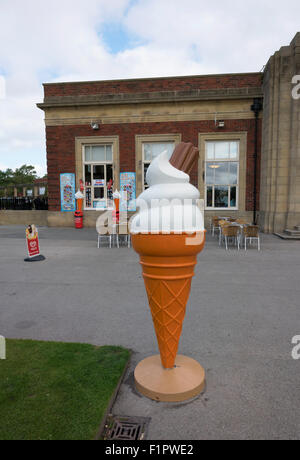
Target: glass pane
98, 153
233, 197
87, 152
146, 166
98, 172
88, 176
233, 173
98, 192
109, 173
88, 197
210, 150
221, 174
234, 149
110, 183
147, 152
210, 173
209, 197
221, 150
153, 149
221, 197
109, 155
110, 196
159, 147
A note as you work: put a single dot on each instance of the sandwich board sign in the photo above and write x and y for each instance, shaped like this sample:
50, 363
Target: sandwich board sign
33, 245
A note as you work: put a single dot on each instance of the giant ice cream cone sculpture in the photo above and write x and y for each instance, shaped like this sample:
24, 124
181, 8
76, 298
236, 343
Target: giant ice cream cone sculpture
167, 276
168, 234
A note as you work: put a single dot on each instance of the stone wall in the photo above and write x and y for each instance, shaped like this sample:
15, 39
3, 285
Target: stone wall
61, 148
280, 161
25, 218
46, 218
147, 85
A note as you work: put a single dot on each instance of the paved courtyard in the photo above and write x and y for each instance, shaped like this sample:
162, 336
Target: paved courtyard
243, 312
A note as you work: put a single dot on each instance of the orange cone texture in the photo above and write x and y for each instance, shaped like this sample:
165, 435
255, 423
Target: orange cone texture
168, 268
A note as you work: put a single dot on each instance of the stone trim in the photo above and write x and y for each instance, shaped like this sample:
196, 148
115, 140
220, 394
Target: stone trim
236, 136
97, 140
200, 116
238, 109
150, 97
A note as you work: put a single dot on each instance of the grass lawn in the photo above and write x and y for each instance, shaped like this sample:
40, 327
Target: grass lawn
58, 391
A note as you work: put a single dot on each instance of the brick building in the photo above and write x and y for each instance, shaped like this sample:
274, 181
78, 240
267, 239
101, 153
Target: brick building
100, 129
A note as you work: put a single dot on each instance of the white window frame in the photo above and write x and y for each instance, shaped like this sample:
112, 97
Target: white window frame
223, 160
95, 163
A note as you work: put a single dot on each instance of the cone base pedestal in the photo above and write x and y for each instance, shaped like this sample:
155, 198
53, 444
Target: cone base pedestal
184, 382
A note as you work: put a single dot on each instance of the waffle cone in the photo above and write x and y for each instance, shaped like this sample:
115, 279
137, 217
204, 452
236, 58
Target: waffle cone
168, 264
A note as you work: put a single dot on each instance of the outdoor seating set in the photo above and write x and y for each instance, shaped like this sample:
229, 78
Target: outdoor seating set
234, 230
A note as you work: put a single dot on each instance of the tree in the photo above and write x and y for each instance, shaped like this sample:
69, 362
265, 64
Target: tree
6, 177
26, 174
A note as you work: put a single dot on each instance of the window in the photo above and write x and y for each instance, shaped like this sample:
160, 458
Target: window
98, 176
152, 150
221, 174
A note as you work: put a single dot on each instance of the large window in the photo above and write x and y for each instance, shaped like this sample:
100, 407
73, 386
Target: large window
221, 174
152, 150
98, 176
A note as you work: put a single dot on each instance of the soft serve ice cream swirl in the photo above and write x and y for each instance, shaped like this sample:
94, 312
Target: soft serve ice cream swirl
169, 205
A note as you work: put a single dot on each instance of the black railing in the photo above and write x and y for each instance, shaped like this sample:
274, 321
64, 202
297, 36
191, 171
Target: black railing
24, 204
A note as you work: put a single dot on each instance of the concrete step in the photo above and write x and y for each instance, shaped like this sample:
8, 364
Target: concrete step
297, 228
285, 236
292, 232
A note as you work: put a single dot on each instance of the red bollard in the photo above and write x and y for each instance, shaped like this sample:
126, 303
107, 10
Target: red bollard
78, 219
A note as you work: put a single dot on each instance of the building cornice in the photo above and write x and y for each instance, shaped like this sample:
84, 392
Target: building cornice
150, 97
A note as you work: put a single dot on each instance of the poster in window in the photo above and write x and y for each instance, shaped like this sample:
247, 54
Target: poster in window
99, 204
67, 192
128, 191
99, 182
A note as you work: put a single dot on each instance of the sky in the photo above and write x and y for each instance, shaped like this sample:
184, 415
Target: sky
74, 40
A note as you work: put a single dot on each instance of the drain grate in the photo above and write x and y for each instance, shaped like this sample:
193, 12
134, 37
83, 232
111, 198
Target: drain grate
126, 428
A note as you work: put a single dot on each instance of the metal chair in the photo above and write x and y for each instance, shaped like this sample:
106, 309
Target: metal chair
215, 225
124, 231
112, 235
222, 223
251, 233
231, 232
109, 236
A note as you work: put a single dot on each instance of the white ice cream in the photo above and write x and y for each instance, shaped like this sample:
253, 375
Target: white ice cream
170, 204
79, 195
117, 195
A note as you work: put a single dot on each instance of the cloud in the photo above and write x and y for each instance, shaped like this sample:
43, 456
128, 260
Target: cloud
68, 41
229, 36
41, 170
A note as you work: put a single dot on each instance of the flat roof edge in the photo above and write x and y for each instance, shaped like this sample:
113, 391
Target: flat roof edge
176, 77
